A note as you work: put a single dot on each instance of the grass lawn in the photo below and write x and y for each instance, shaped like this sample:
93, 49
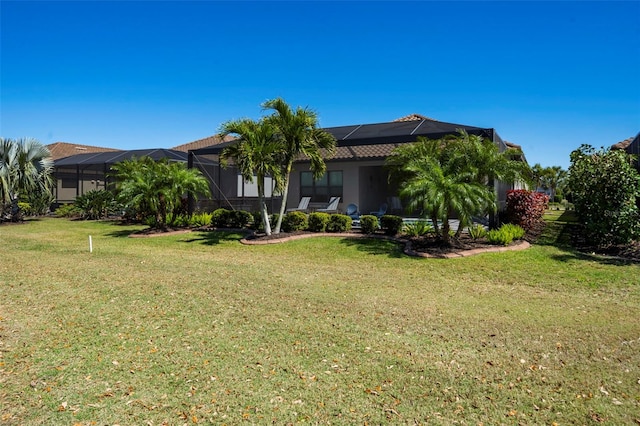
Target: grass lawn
198, 328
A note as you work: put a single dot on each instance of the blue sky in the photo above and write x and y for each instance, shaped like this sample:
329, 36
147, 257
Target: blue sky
549, 76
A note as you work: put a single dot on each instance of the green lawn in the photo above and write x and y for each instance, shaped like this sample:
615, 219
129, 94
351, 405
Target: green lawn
198, 328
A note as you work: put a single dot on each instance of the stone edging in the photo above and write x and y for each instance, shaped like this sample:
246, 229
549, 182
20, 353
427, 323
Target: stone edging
408, 250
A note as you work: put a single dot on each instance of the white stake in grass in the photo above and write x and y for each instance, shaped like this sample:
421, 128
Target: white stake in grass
90, 244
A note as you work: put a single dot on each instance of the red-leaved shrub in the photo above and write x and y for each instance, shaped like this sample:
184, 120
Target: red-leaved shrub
525, 208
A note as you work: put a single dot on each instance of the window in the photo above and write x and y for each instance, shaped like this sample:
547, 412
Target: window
250, 189
321, 190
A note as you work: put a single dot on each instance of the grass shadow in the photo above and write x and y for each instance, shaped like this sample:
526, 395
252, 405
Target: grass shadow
602, 259
376, 246
211, 238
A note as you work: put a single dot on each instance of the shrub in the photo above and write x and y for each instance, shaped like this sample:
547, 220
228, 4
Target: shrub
198, 220
294, 221
179, 221
96, 204
25, 208
418, 228
369, 224
516, 231
68, 210
239, 218
256, 223
604, 187
505, 234
339, 223
317, 221
220, 218
477, 231
499, 237
525, 208
391, 224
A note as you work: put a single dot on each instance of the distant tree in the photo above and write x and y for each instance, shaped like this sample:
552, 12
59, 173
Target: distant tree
605, 187
26, 169
157, 187
257, 153
300, 136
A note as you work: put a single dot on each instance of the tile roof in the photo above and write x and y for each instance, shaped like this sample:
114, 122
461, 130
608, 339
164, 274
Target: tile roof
413, 117
65, 149
203, 143
623, 144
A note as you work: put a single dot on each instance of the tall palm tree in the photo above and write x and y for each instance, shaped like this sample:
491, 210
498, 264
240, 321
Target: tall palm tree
257, 153
299, 133
25, 167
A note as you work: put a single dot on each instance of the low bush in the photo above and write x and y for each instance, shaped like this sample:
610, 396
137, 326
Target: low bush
317, 221
391, 224
516, 231
96, 204
505, 234
180, 221
67, 210
477, 231
220, 218
198, 220
525, 208
239, 219
294, 221
256, 222
25, 208
339, 223
369, 224
417, 229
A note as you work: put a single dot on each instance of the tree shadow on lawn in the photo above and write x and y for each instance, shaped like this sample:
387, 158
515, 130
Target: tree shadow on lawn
211, 238
376, 246
570, 255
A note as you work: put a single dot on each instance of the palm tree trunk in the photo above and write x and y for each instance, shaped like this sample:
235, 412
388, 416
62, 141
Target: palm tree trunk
285, 194
263, 206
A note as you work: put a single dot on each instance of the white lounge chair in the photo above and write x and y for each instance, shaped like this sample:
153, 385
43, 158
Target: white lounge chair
332, 207
303, 206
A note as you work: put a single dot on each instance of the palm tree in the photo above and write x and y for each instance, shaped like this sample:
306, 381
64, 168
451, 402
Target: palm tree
299, 133
257, 153
157, 187
444, 194
555, 178
452, 176
25, 167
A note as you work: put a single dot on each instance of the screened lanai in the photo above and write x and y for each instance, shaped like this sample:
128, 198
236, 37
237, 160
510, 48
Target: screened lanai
81, 173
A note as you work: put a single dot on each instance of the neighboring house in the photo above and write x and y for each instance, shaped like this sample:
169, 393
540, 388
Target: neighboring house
632, 146
356, 173
80, 173
60, 150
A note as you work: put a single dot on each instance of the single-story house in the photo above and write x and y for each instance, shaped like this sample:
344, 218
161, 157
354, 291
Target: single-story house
356, 173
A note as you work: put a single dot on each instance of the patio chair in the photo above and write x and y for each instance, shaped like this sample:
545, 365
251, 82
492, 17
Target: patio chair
352, 211
381, 211
303, 206
332, 207
396, 205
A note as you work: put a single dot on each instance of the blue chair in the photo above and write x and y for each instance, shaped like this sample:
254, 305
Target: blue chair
381, 211
352, 211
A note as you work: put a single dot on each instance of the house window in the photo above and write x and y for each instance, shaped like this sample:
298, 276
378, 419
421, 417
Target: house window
250, 189
321, 190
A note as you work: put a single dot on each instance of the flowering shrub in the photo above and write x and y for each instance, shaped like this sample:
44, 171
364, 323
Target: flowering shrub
525, 208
